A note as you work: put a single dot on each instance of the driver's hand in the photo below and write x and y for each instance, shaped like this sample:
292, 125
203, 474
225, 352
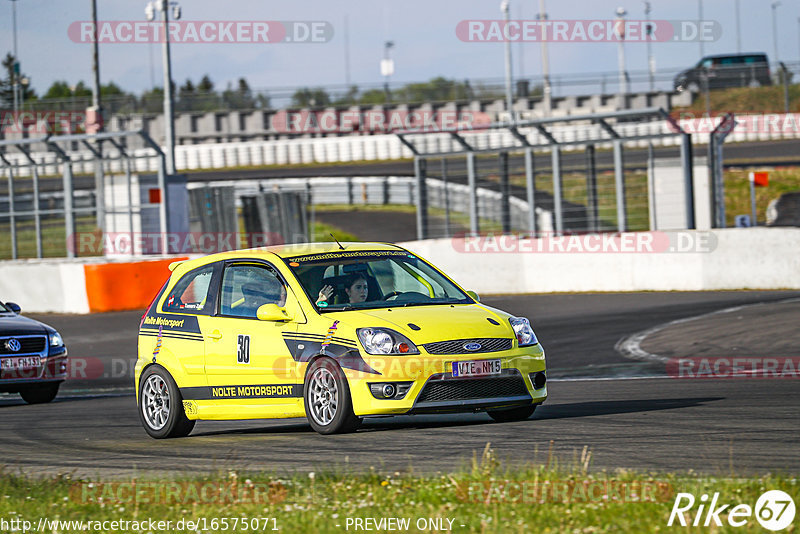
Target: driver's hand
325, 293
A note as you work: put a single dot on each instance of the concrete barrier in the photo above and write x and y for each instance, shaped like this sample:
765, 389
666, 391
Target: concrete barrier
85, 285
729, 259
739, 258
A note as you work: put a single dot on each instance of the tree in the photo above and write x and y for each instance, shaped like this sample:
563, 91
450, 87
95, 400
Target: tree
60, 89
310, 98
349, 98
7, 83
205, 85
112, 89
241, 98
373, 96
152, 101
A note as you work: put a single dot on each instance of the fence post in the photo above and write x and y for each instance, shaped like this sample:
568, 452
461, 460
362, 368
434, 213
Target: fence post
162, 207
446, 194
619, 185
474, 225
69, 213
37, 218
505, 206
651, 182
129, 182
11, 212
420, 168
530, 185
687, 159
559, 216
350, 199
591, 188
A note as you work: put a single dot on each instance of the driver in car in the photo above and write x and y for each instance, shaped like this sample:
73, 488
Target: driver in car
355, 287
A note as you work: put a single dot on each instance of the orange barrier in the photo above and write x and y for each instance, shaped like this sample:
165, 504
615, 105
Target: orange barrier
125, 285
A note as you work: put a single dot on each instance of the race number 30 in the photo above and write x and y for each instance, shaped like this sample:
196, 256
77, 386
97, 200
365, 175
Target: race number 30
243, 350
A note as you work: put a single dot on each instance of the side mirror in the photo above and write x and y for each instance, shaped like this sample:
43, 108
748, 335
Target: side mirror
272, 312
14, 307
474, 296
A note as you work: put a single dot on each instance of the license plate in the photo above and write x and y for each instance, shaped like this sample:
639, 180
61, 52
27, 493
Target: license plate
19, 364
477, 368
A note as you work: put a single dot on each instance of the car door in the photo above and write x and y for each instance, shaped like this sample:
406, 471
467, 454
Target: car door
247, 359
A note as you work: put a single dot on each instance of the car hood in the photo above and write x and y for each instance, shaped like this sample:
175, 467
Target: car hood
17, 325
435, 323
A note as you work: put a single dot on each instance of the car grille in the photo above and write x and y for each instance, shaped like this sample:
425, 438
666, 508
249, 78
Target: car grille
456, 346
473, 388
29, 344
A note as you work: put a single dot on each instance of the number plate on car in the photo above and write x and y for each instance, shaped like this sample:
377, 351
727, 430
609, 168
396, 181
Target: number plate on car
477, 368
18, 364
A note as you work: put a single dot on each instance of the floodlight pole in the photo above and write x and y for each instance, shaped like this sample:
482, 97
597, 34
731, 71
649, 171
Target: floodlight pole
506, 37
169, 117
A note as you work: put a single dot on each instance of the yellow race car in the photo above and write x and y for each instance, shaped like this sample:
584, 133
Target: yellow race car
331, 332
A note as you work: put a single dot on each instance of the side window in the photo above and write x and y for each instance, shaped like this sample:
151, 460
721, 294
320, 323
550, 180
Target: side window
247, 287
190, 294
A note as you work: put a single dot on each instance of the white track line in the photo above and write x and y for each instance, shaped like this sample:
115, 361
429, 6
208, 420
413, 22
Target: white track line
630, 346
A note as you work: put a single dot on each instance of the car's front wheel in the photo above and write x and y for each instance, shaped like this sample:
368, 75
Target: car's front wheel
161, 405
329, 407
514, 414
40, 394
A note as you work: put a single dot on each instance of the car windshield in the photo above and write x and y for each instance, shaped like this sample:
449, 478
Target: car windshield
372, 279
3, 308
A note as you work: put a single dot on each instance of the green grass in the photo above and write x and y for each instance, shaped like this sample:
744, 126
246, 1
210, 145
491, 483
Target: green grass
53, 238
483, 496
322, 233
745, 100
737, 191
573, 189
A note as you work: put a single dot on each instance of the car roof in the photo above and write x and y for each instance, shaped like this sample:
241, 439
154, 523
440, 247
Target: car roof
283, 251
745, 54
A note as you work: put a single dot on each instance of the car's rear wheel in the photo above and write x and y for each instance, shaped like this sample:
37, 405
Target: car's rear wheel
161, 405
514, 414
329, 407
40, 394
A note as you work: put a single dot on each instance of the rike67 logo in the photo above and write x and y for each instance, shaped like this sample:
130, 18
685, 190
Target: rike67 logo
774, 510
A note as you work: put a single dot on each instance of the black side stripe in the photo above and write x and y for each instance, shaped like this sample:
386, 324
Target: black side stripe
314, 337
185, 337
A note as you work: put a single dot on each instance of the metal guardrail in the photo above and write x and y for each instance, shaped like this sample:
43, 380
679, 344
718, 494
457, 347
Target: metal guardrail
63, 149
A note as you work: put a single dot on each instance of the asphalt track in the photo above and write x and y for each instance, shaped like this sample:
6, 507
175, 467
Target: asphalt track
734, 426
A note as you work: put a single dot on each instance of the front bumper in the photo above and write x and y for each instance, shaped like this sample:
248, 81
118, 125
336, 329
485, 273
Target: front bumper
434, 389
52, 368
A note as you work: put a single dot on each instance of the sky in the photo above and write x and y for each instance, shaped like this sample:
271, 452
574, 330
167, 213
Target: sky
424, 33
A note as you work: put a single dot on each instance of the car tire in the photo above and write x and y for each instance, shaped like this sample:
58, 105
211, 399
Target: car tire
40, 394
161, 405
327, 401
514, 414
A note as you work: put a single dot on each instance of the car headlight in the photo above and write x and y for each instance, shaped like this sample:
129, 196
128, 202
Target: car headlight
382, 341
523, 331
55, 340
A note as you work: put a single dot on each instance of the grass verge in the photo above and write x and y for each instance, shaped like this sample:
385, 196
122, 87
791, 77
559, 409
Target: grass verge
487, 495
